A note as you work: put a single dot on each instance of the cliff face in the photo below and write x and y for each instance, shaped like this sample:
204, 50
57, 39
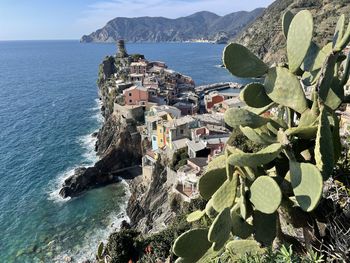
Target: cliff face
264, 36
118, 145
149, 207
201, 25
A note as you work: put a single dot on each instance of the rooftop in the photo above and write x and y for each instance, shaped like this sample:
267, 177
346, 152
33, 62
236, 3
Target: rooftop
199, 161
140, 63
180, 121
180, 144
196, 146
136, 88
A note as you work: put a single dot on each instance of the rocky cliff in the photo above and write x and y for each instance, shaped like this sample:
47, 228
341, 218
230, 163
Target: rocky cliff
149, 207
201, 25
264, 36
118, 144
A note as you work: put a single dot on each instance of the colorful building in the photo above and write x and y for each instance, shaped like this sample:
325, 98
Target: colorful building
135, 95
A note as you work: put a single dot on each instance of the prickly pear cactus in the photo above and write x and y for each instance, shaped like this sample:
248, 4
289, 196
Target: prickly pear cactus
291, 113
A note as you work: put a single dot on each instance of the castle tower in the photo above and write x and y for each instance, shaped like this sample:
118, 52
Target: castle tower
121, 49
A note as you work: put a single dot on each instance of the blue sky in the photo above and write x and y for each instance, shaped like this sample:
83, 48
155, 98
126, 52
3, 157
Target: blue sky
70, 19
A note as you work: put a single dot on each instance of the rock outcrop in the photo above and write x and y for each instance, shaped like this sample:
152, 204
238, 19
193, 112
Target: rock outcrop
119, 145
264, 36
149, 207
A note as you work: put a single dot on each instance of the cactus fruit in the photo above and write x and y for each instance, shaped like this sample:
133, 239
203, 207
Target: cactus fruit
265, 227
236, 117
291, 95
324, 152
299, 39
286, 20
265, 195
220, 229
264, 156
213, 178
242, 63
254, 95
183, 246
307, 183
195, 216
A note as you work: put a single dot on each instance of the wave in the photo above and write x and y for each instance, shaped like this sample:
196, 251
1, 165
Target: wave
55, 186
88, 249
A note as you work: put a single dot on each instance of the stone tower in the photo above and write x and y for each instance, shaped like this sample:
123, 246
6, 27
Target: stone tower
121, 49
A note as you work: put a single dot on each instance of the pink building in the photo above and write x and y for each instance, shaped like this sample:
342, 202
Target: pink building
135, 95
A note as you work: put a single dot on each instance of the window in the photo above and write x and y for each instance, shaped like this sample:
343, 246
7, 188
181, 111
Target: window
182, 131
130, 101
130, 94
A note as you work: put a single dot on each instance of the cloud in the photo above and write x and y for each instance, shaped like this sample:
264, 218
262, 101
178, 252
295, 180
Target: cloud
99, 13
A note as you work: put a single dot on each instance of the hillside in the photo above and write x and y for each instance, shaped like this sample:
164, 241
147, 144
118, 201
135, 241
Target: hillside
264, 36
201, 25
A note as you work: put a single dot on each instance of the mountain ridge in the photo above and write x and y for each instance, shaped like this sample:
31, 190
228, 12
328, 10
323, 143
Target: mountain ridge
202, 25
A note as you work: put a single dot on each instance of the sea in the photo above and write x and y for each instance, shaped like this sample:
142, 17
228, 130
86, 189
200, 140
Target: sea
48, 110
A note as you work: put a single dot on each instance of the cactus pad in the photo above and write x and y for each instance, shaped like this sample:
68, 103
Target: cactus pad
220, 229
254, 95
265, 227
307, 183
286, 20
305, 132
213, 178
339, 31
266, 155
257, 136
192, 245
239, 248
225, 196
243, 63
265, 194
291, 95
299, 39
195, 216
240, 228
236, 117
324, 151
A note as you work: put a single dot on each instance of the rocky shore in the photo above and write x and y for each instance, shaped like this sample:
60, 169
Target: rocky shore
119, 147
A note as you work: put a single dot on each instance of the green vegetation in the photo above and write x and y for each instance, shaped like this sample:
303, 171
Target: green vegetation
255, 195
179, 159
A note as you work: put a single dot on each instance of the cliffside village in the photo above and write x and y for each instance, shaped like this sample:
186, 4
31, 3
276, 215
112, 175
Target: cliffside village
177, 120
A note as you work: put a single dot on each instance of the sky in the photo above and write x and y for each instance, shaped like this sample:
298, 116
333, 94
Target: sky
70, 19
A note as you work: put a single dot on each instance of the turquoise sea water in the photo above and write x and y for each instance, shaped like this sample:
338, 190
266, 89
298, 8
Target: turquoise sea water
48, 109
